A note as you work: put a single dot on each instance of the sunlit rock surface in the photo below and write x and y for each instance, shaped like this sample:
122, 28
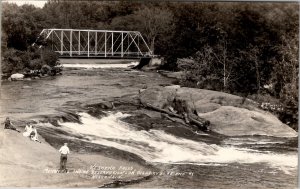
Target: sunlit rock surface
228, 114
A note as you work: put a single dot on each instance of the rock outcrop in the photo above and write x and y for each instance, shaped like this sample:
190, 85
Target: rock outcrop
17, 76
157, 96
228, 114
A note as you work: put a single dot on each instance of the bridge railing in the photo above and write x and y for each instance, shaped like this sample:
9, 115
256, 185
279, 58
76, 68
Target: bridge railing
91, 43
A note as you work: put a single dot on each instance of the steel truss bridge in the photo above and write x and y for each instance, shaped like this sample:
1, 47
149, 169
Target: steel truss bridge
76, 43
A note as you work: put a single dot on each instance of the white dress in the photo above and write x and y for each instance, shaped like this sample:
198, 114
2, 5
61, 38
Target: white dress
28, 130
35, 136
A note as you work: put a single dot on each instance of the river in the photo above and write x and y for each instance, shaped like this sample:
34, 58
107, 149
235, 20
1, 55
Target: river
190, 159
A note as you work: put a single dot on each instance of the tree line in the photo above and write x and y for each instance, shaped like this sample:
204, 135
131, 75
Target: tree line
243, 48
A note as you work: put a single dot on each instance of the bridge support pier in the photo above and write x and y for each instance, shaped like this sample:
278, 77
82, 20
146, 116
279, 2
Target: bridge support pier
143, 62
150, 62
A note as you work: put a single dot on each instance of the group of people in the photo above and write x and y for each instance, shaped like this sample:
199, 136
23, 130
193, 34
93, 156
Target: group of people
31, 132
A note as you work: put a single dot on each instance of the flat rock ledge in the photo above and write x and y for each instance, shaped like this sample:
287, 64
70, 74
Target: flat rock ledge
228, 114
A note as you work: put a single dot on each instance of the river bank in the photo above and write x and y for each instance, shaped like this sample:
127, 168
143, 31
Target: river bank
25, 163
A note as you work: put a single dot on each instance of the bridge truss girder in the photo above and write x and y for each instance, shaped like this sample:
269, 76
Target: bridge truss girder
96, 43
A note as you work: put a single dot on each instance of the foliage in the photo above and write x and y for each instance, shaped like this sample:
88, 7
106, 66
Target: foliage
49, 57
16, 61
153, 22
36, 64
11, 61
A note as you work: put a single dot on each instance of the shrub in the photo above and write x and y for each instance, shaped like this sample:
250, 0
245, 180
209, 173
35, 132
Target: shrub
49, 57
36, 64
12, 62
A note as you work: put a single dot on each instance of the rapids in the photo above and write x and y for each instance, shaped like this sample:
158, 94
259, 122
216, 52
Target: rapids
159, 147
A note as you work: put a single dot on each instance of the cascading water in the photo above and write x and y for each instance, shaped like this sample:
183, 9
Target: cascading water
156, 146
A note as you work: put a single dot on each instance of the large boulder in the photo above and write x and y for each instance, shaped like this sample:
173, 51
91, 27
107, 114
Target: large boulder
157, 96
175, 75
234, 121
228, 114
185, 63
202, 96
204, 107
17, 76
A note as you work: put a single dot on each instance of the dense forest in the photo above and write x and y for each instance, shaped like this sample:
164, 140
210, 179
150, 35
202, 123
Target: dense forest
249, 49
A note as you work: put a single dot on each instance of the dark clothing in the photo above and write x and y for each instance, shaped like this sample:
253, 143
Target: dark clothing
7, 125
63, 162
181, 106
32, 134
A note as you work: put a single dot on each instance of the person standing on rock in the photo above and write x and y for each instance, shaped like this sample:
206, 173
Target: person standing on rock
64, 151
9, 125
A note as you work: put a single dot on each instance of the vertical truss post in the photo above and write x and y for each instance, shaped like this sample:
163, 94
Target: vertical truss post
88, 43
96, 43
61, 42
79, 43
52, 42
112, 43
105, 36
139, 43
122, 45
71, 35
128, 44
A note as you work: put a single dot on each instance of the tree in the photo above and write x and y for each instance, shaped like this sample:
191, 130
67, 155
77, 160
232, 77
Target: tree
154, 22
252, 56
221, 56
18, 26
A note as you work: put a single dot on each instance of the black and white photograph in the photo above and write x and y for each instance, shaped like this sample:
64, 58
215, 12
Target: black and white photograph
149, 94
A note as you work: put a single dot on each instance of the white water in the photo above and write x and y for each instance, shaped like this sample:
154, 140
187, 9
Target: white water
91, 66
248, 140
159, 147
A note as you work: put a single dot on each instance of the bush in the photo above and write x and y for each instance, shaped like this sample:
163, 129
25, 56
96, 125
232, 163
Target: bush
49, 57
12, 61
36, 64
21, 61
202, 70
